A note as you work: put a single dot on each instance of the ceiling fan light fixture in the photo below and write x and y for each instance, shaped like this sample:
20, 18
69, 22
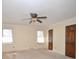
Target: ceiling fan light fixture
34, 19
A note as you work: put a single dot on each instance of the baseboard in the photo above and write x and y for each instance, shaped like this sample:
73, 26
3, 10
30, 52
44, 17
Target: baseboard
58, 52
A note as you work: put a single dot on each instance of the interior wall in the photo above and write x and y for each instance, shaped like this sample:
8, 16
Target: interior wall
24, 37
59, 34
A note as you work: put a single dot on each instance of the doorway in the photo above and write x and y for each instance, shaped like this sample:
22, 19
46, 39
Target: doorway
70, 43
50, 39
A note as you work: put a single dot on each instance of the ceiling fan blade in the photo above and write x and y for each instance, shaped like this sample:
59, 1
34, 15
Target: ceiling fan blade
39, 21
30, 22
31, 14
42, 17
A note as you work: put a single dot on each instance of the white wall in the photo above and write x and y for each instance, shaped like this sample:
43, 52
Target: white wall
24, 37
59, 34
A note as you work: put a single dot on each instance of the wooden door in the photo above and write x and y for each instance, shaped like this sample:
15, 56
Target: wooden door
50, 39
70, 41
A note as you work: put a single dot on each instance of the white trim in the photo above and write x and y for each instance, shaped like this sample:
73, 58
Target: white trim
58, 52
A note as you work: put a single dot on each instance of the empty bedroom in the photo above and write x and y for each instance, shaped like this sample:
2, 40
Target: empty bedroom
38, 29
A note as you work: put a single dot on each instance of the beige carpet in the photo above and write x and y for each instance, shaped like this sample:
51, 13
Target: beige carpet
34, 54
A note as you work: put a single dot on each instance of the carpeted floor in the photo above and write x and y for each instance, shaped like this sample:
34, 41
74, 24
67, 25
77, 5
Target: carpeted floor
34, 54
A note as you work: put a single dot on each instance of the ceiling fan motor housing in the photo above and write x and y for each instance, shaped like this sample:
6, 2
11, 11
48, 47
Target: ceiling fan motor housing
33, 15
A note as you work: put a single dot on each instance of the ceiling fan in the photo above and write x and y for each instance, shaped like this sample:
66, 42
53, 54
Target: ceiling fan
35, 18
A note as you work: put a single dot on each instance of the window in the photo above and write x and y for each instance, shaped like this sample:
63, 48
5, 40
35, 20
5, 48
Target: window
40, 37
7, 36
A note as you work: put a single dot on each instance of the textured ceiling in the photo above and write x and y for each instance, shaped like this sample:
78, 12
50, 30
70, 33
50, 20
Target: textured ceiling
14, 11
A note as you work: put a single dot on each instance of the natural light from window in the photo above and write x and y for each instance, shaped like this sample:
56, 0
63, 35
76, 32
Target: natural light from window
40, 37
7, 36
